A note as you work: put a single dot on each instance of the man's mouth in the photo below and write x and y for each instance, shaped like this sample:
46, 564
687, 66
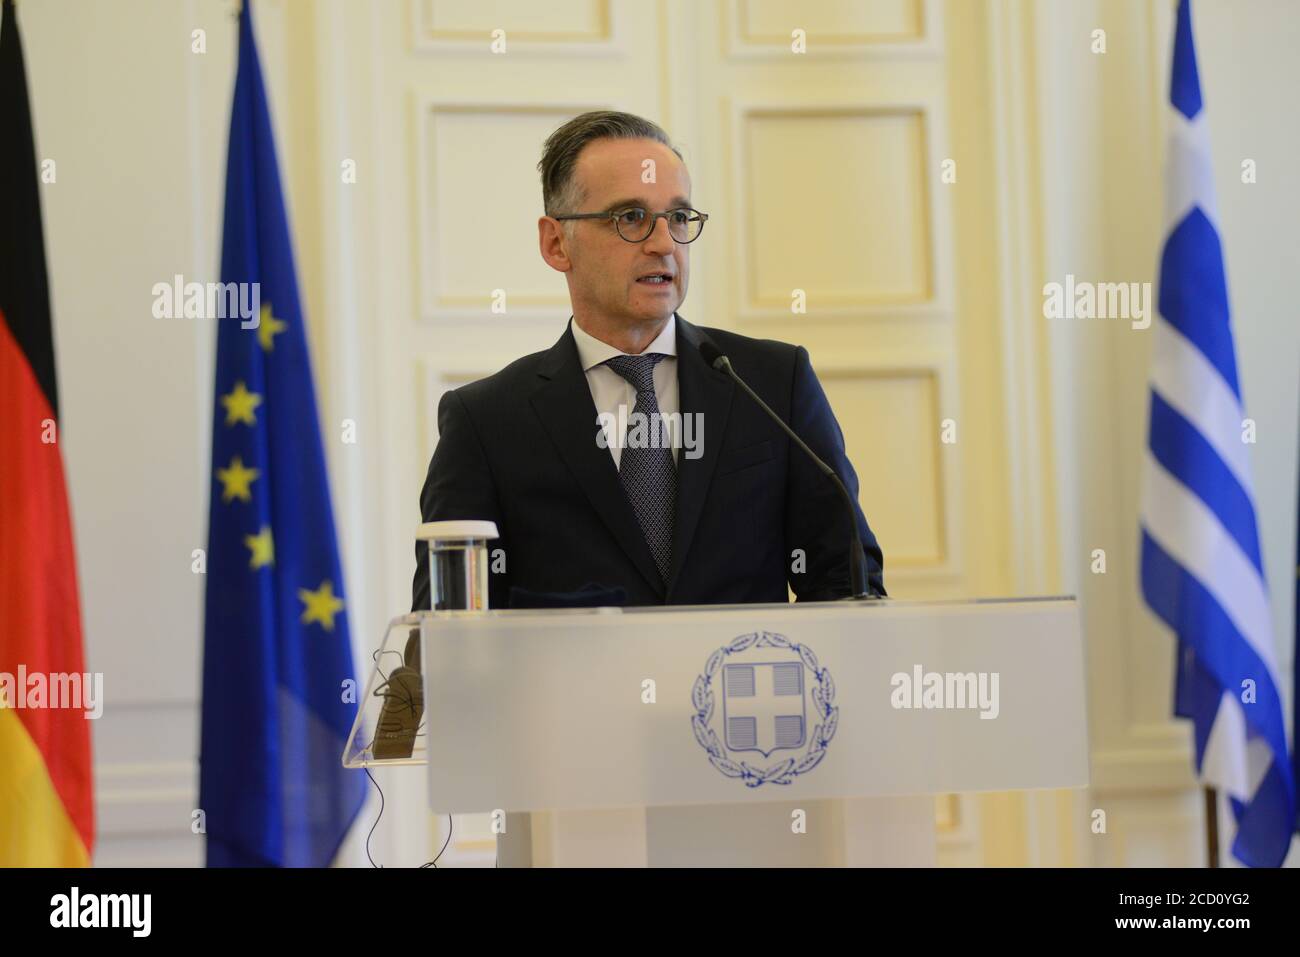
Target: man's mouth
656, 279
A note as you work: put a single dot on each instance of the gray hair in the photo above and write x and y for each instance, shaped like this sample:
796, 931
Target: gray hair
561, 193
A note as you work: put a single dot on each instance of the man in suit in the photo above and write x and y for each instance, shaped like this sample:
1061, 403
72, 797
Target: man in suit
552, 448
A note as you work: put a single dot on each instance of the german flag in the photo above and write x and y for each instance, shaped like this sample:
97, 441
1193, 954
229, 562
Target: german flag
46, 791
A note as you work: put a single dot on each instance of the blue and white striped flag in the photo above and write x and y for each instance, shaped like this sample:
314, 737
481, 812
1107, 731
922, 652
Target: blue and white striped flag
1201, 568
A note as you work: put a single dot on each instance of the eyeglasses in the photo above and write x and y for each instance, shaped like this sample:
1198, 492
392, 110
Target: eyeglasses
635, 223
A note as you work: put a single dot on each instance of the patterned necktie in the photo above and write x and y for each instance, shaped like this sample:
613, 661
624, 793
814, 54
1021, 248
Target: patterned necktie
646, 465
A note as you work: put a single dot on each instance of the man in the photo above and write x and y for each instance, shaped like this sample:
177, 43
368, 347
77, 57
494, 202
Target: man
567, 450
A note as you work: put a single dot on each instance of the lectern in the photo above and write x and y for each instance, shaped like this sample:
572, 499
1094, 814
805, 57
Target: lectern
801, 735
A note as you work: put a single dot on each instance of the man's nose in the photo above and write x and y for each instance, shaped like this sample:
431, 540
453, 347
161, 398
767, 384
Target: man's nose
660, 241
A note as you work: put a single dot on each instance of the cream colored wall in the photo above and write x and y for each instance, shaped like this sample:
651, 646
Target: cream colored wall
932, 313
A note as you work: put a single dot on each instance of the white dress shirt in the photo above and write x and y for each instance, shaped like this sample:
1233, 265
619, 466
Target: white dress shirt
609, 390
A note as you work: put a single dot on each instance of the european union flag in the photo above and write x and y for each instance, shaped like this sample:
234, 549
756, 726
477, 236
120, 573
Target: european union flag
276, 647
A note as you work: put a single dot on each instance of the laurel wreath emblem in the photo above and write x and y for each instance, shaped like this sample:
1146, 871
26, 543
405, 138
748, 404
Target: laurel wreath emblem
783, 772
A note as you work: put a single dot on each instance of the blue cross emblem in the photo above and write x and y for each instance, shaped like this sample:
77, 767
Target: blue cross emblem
763, 706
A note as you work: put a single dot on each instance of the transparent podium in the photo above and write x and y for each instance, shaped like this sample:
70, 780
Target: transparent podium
750, 735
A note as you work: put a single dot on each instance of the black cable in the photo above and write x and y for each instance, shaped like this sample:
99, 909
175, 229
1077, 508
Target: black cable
375, 658
434, 863
377, 817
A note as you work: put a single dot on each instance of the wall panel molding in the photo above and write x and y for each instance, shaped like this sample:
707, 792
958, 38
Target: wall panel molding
915, 127
898, 29
455, 283
579, 28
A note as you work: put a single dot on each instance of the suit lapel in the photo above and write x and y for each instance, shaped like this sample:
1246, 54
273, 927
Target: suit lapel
707, 393
563, 402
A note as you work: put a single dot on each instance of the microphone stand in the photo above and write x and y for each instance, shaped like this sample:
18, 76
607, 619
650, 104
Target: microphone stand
857, 568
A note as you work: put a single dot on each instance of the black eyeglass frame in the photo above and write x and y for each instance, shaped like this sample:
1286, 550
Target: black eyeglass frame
654, 218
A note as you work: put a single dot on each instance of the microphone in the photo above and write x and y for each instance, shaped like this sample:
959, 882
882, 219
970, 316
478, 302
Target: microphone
857, 568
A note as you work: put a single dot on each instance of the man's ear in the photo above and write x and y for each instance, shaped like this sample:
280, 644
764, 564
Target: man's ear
554, 244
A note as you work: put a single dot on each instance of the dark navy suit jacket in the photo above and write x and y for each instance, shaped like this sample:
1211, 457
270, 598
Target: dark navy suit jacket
519, 448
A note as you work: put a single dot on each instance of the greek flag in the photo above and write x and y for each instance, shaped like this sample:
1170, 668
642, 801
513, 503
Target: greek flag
1200, 560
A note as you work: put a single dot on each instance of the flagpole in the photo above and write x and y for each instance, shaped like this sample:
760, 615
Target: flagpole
1212, 827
